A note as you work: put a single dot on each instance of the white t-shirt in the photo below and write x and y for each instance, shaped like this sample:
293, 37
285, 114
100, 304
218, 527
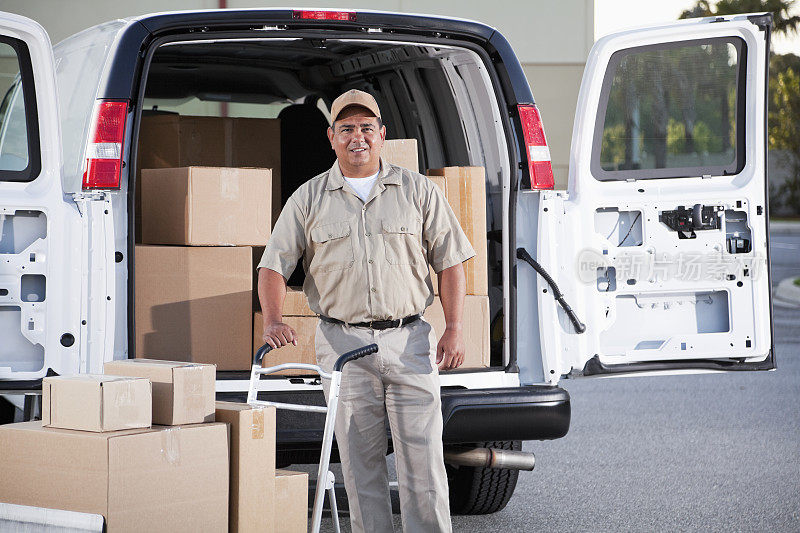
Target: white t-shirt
363, 186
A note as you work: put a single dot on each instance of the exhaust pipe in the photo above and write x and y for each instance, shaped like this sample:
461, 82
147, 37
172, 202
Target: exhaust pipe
490, 458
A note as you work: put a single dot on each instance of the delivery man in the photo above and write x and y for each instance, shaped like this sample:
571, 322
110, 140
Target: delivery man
367, 231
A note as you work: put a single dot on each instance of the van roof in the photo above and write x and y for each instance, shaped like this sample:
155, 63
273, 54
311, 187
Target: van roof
165, 21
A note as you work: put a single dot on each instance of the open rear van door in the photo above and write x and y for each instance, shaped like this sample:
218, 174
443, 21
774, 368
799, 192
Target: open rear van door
660, 245
46, 267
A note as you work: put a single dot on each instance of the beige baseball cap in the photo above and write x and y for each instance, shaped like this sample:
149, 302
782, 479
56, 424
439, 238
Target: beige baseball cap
354, 97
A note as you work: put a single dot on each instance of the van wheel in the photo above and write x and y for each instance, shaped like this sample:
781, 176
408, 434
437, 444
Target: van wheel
475, 490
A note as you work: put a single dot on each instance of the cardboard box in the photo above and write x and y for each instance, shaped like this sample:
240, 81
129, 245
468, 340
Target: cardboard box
159, 479
206, 206
183, 393
401, 152
476, 329
171, 141
194, 304
252, 467
296, 303
305, 327
291, 489
465, 190
96, 403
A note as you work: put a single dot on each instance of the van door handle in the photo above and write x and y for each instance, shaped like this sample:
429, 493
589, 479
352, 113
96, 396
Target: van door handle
576, 323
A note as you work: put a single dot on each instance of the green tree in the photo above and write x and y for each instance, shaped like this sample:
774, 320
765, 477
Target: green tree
783, 22
784, 115
784, 131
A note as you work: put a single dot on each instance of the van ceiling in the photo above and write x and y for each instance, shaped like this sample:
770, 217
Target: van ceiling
439, 95
269, 71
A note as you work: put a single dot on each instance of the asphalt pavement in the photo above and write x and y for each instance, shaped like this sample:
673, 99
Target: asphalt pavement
711, 452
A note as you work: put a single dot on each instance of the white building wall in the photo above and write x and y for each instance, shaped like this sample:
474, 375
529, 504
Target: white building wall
551, 39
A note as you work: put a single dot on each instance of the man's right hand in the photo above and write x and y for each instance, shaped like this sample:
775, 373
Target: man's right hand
278, 334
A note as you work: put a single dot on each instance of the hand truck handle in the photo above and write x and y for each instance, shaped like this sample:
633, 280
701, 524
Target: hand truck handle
260, 353
358, 353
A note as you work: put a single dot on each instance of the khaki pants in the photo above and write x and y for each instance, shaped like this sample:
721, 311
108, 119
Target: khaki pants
400, 382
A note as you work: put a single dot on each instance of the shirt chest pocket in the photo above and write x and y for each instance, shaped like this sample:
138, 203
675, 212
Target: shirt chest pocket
402, 242
333, 247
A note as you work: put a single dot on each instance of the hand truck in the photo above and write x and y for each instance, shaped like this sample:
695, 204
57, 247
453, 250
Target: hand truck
325, 478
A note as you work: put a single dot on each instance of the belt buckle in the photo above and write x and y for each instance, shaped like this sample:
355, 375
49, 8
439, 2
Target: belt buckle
372, 324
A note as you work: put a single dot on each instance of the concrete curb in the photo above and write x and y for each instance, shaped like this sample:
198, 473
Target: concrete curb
787, 292
783, 227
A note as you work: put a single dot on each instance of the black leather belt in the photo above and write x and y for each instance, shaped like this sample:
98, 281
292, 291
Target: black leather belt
375, 324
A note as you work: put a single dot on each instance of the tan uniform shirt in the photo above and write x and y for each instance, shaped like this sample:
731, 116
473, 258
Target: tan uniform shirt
367, 260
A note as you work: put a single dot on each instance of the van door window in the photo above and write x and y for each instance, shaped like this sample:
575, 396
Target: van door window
671, 110
18, 127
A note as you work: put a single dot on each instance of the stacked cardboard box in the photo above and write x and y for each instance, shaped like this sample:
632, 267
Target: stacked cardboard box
465, 190
206, 206
96, 402
160, 478
148, 479
194, 297
291, 490
174, 141
252, 467
194, 304
401, 152
183, 393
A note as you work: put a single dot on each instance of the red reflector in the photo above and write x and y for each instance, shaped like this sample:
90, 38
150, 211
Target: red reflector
102, 174
104, 150
325, 15
110, 125
536, 150
532, 125
543, 175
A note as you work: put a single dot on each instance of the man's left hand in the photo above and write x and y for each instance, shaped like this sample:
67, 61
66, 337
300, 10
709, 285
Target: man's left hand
450, 350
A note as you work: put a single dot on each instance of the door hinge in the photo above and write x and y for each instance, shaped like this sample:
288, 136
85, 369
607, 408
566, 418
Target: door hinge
763, 21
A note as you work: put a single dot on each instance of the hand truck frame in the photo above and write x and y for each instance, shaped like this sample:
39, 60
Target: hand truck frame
325, 478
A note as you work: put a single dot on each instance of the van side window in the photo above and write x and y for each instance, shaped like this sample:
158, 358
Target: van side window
19, 133
672, 110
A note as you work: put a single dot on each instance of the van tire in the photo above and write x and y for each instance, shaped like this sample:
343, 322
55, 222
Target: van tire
475, 490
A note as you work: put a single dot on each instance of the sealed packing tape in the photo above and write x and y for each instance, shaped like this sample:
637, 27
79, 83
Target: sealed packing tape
171, 445
257, 427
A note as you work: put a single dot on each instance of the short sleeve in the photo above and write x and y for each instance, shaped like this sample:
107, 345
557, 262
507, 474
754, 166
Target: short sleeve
287, 242
446, 245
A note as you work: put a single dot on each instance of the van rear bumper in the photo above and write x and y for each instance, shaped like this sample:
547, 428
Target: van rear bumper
537, 412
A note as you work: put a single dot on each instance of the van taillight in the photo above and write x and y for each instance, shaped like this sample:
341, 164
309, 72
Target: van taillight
104, 151
324, 15
539, 166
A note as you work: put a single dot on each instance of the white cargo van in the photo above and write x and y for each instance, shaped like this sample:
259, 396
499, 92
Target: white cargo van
654, 260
